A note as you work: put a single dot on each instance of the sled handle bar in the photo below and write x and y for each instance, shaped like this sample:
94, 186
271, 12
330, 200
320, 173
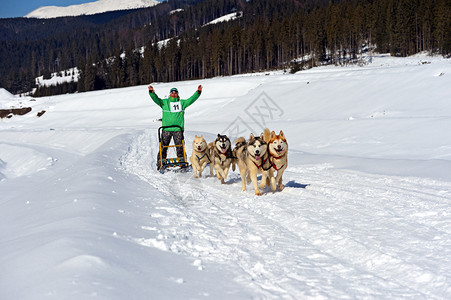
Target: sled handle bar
170, 126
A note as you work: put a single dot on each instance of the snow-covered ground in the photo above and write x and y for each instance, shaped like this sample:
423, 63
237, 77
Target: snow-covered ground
365, 214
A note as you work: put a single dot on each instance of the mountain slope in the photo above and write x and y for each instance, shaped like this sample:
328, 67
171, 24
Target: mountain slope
90, 8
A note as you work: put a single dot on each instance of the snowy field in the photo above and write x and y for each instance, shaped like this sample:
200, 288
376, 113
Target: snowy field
365, 213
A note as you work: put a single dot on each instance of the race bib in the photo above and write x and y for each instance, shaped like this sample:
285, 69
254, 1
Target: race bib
176, 107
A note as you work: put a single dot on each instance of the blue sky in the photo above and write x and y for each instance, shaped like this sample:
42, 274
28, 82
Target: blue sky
19, 8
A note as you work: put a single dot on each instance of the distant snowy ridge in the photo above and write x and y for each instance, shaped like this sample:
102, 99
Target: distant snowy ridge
226, 18
91, 8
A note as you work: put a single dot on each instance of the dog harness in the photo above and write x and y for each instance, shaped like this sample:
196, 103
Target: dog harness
261, 166
205, 154
274, 165
227, 155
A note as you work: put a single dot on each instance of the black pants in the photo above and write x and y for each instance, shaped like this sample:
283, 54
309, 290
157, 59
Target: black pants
166, 137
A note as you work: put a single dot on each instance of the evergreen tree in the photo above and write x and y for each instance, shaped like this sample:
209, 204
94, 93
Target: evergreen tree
270, 34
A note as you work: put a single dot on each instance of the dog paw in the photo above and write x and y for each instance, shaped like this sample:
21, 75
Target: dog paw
258, 193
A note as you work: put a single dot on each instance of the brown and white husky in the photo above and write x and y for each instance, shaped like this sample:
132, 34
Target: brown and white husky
278, 156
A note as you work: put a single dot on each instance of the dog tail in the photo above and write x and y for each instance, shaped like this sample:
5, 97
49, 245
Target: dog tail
267, 135
239, 142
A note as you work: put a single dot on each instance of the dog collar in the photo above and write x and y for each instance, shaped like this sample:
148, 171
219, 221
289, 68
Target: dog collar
277, 157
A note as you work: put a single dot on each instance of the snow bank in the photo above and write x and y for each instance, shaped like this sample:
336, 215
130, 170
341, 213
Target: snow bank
21, 161
7, 100
5, 95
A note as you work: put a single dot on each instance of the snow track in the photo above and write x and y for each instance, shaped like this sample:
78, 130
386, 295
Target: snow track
331, 233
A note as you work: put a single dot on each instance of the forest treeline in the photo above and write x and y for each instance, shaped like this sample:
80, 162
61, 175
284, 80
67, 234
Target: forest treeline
266, 35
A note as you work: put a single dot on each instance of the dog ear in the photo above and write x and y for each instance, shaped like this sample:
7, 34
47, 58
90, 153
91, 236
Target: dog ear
273, 134
196, 137
262, 136
281, 134
201, 137
251, 137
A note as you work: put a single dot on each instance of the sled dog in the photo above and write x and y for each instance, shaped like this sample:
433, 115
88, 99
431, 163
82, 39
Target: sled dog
221, 156
253, 159
278, 150
240, 159
200, 156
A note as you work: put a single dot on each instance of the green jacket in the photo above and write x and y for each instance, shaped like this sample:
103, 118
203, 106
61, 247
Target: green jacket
174, 109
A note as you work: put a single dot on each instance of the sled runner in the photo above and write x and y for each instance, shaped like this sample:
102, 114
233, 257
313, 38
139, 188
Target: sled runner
180, 162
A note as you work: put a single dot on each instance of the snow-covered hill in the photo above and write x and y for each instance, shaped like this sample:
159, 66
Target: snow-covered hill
89, 8
365, 213
8, 100
5, 95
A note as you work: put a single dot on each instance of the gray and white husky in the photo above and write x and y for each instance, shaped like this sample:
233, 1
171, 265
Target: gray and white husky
252, 159
221, 156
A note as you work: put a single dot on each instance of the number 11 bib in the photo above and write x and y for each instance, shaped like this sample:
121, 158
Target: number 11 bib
176, 107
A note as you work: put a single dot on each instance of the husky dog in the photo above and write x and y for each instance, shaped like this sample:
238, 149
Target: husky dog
253, 159
240, 159
278, 150
221, 156
200, 156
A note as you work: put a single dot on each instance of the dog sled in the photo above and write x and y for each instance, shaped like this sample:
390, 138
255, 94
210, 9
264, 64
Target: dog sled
178, 163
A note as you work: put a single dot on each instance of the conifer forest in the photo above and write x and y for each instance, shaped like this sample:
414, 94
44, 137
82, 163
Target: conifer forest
126, 48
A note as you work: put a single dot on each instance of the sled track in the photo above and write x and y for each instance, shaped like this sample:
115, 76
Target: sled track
338, 234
